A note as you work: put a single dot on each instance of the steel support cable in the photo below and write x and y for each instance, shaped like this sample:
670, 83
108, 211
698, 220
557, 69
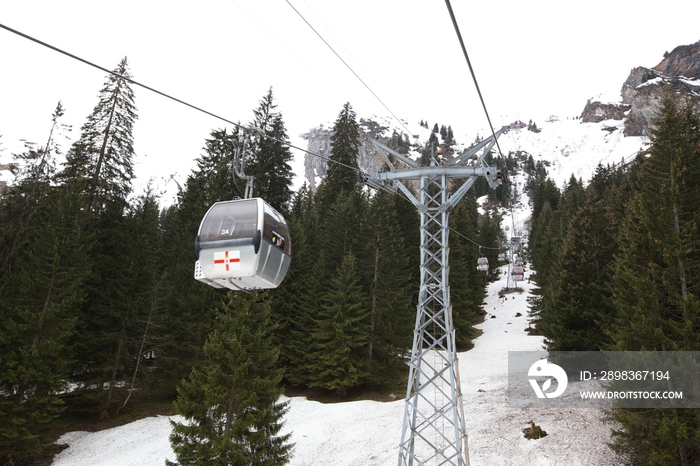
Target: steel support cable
348, 67
167, 96
194, 107
476, 84
283, 44
474, 242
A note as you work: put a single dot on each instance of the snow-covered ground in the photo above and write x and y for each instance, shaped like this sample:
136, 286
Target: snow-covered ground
571, 147
367, 433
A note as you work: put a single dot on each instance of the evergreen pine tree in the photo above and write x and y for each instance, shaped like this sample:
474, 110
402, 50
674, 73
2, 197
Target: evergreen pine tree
660, 243
545, 250
142, 314
429, 151
327, 238
466, 283
392, 315
230, 402
345, 146
34, 175
544, 191
340, 339
37, 314
342, 230
270, 156
295, 303
572, 199
583, 309
41, 277
102, 159
97, 177
530, 165
409, 229
189, 303
656, 280
450, 139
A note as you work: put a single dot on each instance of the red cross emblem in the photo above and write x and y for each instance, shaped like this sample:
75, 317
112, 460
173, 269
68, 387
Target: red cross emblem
228, 259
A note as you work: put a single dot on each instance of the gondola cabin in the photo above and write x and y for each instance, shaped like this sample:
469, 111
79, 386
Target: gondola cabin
518, 274
242, 245
501, 257
482, 264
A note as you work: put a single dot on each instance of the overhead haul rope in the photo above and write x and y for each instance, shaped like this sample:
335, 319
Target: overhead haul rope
476, 84
180, 101
392, 113
348, 66
478, 90
472, 241
194, 107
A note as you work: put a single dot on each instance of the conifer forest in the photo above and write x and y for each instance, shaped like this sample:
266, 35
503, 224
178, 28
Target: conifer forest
100, 313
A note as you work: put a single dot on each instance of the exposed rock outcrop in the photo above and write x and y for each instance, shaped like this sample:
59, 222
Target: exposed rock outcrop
682, 61
319, 142
644, 88
595, 112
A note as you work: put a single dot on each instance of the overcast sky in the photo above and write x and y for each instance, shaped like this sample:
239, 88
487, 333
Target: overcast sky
531, 58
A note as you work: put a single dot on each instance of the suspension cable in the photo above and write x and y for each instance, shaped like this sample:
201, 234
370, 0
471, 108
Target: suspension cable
199, 109
349, 67
180, 101
476, 84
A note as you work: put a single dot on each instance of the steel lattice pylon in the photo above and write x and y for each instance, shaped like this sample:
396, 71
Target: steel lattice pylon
433, 431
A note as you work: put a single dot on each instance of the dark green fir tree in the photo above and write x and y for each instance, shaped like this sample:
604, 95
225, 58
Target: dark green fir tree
294, 302
230, 402
97, 178
341, 175
656, 281
41, 289
270, 157
466, 283
189, 303
385, 262
340, 339
102, 159
583, 310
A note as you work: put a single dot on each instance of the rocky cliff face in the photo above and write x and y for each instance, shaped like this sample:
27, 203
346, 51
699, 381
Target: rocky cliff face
644, 88
319, 142
595, 112
643, 91
683, 61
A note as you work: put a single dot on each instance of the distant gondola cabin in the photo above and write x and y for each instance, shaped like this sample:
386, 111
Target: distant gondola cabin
242, 245
518, 274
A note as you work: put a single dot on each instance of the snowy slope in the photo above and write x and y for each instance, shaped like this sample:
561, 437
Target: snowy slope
367, 433
570, 147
